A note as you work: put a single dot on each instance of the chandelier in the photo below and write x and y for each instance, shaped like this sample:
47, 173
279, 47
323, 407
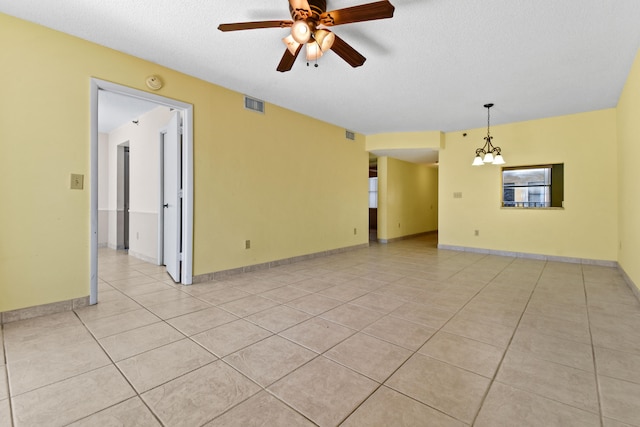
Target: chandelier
491, 154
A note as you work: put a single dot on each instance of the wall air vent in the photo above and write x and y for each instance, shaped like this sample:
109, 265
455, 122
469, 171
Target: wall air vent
350, 135
254, 104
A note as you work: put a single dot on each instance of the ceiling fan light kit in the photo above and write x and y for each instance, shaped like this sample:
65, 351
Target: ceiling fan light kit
291, 44
313, 52
324, 39
309, 28
301, 31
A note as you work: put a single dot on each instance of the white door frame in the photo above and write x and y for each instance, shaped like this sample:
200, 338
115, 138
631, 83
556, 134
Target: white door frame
187, 177
162, 259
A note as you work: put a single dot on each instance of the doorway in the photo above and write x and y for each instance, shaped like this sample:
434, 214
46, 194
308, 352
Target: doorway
373, 198
122, 226
185, 225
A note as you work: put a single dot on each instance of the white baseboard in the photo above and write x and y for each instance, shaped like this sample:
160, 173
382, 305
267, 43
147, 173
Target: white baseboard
634, 288
541, 257
201, 278
143, 257
43, 310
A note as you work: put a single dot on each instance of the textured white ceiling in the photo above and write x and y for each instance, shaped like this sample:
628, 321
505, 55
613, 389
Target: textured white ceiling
431, 67
114, 110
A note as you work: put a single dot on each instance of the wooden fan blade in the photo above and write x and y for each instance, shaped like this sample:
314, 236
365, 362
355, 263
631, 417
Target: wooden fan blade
363, 12
346, 52
300, 9
254, 25
288, 59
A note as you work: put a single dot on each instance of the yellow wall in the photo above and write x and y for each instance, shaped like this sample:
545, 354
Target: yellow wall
629, 174
585, 228
404, 140
408, 198
291, 184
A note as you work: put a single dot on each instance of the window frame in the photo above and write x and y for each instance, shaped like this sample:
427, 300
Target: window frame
548, 187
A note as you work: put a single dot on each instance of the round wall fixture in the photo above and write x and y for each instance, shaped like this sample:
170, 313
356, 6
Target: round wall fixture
154, 82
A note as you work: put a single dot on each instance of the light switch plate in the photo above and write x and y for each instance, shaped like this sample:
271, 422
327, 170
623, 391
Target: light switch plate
77, 181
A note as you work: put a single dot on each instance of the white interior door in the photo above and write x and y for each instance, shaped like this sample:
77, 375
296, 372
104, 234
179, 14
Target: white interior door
172, 197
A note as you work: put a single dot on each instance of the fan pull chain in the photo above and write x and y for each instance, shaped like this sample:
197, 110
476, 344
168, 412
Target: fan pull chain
316, 64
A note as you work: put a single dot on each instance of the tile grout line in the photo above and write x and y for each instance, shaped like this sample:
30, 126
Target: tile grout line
273, 334
380, 384
504, 355
218, 359
221, 359
6, 375
317, 356
414, 352
138, 394
593, 350
263, 389
444, 324
556, 363
123, 376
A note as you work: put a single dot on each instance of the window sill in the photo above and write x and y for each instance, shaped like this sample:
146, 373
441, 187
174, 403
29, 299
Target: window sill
522, 208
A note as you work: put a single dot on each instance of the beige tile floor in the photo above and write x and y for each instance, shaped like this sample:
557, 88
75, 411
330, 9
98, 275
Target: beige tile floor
394, 335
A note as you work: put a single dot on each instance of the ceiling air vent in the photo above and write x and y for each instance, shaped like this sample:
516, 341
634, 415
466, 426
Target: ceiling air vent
350, 135
254, 104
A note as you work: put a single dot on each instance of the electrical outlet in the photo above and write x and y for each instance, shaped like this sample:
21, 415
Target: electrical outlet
77, 181
355, 231
476, 233
247, 244
398, 225
457, 195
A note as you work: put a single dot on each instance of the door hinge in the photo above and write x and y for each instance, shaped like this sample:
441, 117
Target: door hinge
180, 194
181, 130
181, 257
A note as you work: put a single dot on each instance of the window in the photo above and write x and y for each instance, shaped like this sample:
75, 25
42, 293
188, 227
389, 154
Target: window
533, 186
373, 193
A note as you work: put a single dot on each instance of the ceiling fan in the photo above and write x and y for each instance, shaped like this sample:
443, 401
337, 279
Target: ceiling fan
309, 28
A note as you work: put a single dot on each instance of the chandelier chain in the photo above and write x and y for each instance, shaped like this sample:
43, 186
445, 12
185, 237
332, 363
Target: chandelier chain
488, 119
